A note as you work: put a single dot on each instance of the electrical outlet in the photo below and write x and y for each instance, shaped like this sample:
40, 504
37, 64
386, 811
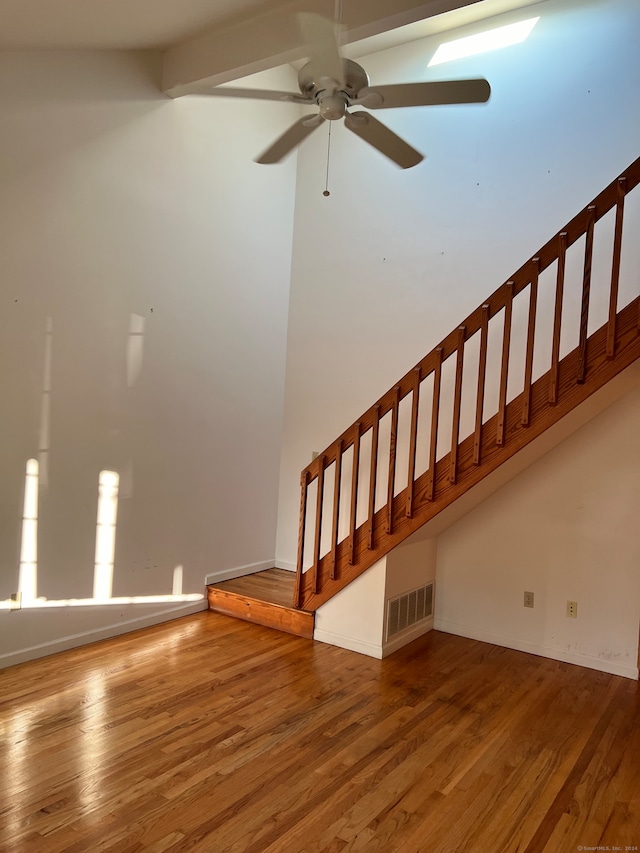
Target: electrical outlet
314, 455
572, 609
528, 599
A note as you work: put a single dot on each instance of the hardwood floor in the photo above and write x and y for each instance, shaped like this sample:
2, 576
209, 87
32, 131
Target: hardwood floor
272, 585
209, 734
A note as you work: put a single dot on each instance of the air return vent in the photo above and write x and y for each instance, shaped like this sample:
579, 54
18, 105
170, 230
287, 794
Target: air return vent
408, 609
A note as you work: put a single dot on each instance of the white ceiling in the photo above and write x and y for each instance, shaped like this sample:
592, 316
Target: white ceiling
110, 24
214, 41
143, 24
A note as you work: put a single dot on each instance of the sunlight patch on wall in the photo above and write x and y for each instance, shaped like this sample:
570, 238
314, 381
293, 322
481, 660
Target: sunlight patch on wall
177, 580
28, 577
108, 493
43, 603
108, 483
483, 42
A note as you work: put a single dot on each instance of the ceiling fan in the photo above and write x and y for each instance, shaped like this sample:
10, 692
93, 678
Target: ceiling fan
335, 84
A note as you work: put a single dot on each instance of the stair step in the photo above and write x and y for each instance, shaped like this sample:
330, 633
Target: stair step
264, 598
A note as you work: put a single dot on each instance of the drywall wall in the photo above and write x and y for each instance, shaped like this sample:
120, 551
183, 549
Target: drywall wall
391, 261
146, 263
409, 566
564, 529
355, 618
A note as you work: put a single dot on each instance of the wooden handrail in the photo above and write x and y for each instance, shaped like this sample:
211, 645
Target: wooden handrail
363, 538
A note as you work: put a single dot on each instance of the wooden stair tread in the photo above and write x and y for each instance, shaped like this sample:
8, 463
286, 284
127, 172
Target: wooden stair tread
264, 598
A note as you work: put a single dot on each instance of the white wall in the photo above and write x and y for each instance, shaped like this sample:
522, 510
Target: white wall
355, 618
115, 202
565, 529
392, 261
410, 566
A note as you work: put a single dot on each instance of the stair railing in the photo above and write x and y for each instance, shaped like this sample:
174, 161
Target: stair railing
348, 520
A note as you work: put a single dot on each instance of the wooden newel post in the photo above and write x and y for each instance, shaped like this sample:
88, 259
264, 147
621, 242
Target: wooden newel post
315, 569
504, 367
336, 512
531, 333
482, 376
554, 382
457, 406
615, 268
304, 485
586, 290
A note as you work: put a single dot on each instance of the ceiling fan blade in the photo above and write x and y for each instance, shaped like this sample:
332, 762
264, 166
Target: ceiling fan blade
296, 134
320, 34
386, 141
425, 94
258, 94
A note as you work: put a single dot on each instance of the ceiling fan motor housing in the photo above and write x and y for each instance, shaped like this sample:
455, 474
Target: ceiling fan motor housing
315, 86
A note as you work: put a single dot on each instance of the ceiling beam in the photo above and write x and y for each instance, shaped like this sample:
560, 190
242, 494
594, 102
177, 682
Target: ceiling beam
252, 43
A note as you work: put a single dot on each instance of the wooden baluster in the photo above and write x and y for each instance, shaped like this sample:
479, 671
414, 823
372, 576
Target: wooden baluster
435, 412
557, 320
586, 288
373, 474
482, 376
615, 269
413, 439
355, 471
504, 368
457, 405
531, 333
336, 512
316, 547
304, 485
393, 443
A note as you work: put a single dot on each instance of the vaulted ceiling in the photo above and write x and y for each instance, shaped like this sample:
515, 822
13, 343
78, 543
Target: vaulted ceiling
215, 41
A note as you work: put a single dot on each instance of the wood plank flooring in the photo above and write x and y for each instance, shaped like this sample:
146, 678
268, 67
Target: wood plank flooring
273, 585
210, 735
264, 598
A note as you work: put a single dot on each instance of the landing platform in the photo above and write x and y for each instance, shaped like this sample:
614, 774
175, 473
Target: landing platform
265, 598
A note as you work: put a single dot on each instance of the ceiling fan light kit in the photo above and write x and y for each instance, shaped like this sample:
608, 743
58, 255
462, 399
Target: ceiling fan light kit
335, 85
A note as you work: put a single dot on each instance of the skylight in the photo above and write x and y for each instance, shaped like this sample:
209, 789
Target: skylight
483, 42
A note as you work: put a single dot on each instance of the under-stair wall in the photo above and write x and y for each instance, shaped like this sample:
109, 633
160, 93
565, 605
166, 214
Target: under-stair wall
564, 529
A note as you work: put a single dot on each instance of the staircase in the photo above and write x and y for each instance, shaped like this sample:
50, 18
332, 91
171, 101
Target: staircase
560, 328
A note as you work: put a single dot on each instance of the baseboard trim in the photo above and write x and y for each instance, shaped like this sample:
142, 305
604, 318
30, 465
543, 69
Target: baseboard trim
407, 637
588, 661
239, 571
285, 564
73, 641
349, 643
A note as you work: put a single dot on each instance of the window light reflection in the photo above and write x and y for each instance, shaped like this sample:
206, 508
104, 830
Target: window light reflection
28, 578
108, 490
483, 42
108, 484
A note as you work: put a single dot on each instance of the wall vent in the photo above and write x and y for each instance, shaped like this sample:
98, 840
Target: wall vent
408, 609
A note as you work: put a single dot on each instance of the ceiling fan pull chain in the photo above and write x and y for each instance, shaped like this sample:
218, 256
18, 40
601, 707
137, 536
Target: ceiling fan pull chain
326, 185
